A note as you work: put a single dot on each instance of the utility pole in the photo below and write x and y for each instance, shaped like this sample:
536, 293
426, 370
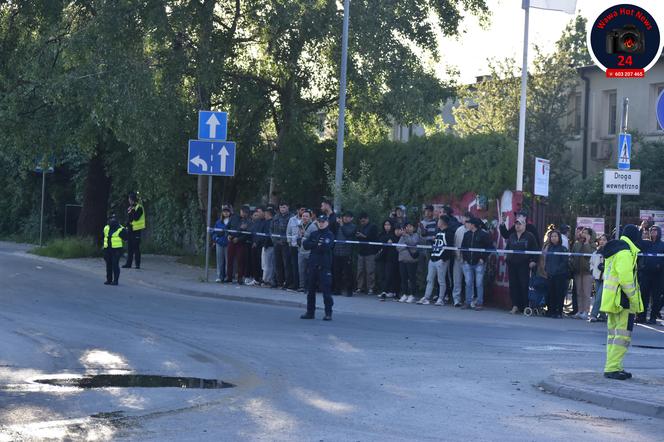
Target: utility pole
623, 130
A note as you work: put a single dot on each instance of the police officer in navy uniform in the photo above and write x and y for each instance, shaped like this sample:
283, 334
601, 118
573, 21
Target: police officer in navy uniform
114, 233
321, 244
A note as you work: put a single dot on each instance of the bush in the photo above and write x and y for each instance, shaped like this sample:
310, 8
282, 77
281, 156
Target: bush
69, 248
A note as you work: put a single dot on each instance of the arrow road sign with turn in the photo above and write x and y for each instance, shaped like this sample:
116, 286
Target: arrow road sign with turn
211, 158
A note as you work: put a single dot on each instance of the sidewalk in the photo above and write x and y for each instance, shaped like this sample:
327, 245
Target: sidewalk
643, 394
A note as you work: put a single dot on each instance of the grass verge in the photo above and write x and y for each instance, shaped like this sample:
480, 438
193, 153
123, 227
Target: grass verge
68, 248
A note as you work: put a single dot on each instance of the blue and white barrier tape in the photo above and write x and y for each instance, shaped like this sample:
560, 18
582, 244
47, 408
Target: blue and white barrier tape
427, 247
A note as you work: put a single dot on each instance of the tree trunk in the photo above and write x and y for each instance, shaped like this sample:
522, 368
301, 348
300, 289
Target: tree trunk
97, 189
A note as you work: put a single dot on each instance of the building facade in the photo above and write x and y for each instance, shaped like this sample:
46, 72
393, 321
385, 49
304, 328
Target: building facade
596, 111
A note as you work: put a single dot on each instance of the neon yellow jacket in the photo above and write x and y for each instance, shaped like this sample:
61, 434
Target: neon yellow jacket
620, 276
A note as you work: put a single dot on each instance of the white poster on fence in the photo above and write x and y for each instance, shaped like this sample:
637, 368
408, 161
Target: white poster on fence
542, 169
597, 224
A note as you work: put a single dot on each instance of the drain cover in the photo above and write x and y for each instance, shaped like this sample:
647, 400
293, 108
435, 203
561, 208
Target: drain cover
136, 380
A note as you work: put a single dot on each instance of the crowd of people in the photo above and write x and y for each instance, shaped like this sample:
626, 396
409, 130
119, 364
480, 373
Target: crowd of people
410, 261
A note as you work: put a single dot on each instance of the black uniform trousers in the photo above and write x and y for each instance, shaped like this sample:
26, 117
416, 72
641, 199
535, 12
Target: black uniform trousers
282, 261
519, 276
321, 278
112, 258
651, 286
343, 274
133, 248
555, 300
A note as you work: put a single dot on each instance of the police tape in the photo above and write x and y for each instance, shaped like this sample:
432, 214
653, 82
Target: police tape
428, 246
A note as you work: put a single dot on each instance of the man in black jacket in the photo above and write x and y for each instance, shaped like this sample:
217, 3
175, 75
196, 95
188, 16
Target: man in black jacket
366, 255
505, 233
321, 244
474, 263
439, 260
237, 245
342, 268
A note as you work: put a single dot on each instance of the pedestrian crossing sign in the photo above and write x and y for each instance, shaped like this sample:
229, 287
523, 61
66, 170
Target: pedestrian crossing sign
624, 151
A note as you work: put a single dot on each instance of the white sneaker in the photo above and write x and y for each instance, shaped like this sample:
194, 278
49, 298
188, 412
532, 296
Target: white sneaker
410, 299
382, 295
390, 295
440, 302
403, 298
472, 304
217, 280
423, 301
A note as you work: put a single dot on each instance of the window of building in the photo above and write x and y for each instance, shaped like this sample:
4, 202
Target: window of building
613, 113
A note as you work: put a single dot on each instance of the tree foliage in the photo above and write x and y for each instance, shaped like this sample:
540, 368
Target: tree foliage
111, 88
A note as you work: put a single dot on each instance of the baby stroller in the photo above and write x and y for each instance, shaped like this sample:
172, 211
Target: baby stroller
537, 288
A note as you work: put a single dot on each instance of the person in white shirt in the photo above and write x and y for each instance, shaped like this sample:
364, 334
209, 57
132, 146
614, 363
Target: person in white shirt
292, 235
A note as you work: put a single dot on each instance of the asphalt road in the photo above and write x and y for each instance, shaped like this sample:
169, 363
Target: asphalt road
361, 377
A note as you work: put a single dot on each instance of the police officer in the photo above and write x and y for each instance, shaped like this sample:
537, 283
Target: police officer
321, 244
621, 298
114, 233
135, 225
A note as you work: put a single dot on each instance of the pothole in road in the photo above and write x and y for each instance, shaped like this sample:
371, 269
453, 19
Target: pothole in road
136, 381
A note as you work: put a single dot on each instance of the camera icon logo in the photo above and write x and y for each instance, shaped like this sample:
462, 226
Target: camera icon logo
626, 40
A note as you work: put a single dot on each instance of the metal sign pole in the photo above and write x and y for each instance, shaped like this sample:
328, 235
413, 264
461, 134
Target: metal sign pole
623, 130
207, 233
41, 216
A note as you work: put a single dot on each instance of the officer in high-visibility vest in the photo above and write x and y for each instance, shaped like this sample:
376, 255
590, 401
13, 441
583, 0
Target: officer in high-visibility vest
621, 298
135, 225
114, 233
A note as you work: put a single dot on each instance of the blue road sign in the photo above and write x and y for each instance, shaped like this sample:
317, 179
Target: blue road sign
44, 164
660, 110
212, 125
211, 158
624, 151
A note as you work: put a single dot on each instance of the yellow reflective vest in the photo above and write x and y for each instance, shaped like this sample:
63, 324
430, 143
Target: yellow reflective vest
116, 240
620, 275
139, 224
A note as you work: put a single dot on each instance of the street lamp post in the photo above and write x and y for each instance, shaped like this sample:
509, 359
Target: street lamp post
338, 178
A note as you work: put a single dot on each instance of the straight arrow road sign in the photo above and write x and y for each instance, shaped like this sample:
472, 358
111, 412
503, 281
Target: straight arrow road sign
211, 158
212, 125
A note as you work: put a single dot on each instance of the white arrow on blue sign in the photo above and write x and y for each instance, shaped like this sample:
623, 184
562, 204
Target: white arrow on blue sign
212, 125
624, 151
211, 158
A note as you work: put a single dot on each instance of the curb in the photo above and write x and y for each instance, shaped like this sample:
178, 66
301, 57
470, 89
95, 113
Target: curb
236, 298
606, 400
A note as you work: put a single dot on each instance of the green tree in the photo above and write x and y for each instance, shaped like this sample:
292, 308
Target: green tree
492, 106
